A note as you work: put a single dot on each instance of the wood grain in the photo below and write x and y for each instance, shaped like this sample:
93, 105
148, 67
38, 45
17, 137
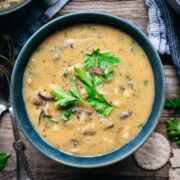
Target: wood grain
44, 168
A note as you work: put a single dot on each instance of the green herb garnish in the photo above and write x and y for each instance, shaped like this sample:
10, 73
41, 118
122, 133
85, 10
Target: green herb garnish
52, 120
173, 128
146, 82
84, 76
100, 104
3, 159
173, 104
128, 77
104, 59
65, 115
89, 61
140, 125
39, 49
65, 98
133, 42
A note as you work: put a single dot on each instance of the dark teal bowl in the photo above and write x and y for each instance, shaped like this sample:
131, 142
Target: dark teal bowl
14, 8
19, 107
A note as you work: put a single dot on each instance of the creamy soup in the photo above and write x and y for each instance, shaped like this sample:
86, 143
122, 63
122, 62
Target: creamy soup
88, 89
7, 4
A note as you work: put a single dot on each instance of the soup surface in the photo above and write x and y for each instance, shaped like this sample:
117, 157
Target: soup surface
7, 4
103, 109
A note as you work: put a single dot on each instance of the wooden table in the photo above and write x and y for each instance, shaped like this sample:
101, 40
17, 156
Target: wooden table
43, 168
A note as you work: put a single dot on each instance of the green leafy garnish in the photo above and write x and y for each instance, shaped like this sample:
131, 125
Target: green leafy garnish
173, 104
146, 82
65, 115
100, 104
92, 80
140, 125
39, 49
52, 120
90, 61
104, 59
173, 128
84, 76
3, 159
128, 77
65, 98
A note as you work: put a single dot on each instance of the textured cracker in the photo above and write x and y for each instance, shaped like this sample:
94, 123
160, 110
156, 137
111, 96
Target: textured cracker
175, 160
154, 153
174, 174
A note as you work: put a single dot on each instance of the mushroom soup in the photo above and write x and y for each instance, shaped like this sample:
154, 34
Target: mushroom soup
88, 89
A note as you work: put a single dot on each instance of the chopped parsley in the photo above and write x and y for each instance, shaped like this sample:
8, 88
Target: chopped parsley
173, 129
104, 59
65, 115
146, 82
65, 98
52, 120
99, 103
3, 159
39, 49
173, 104
128, 77
140, 125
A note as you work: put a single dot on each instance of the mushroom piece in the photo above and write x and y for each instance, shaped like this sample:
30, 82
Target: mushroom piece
74, 142
97, 70
89, 130
122, 88
46, 97
37, 101
82, 111
109, 125
126, 114
42, 114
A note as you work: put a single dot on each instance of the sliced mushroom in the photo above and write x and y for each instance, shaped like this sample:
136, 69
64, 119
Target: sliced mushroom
97, 70
46, 97
126, 114
89, 129
42, 114
108, 125
82, 111
74, 142
122, 88
37, 101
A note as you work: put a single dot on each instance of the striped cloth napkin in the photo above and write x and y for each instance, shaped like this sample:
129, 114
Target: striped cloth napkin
164, 29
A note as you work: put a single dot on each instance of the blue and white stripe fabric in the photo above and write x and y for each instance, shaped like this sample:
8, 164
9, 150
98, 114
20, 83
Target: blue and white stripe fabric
163, 29
156, 28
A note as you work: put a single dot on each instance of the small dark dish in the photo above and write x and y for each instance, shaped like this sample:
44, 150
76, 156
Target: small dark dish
19, 107
14, 8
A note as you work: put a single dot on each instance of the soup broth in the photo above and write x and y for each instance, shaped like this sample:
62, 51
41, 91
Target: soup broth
7, 4
128, 91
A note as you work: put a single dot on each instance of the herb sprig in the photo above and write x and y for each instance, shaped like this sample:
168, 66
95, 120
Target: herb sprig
173, 104
65, 98
104, 59
3, 159
173, 128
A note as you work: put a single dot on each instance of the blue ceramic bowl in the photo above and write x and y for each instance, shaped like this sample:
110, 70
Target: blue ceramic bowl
19, 107
14, 8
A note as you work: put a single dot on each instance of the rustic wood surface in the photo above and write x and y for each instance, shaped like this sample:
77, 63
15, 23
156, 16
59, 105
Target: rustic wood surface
43, 168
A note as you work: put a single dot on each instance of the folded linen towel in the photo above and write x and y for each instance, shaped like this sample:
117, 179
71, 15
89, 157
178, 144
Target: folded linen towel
163, 29
24, 22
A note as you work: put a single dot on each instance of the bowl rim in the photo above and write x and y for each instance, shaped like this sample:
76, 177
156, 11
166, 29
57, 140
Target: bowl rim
7, 11
161, 73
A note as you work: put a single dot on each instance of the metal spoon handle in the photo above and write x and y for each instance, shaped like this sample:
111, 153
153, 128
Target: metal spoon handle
23, 172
